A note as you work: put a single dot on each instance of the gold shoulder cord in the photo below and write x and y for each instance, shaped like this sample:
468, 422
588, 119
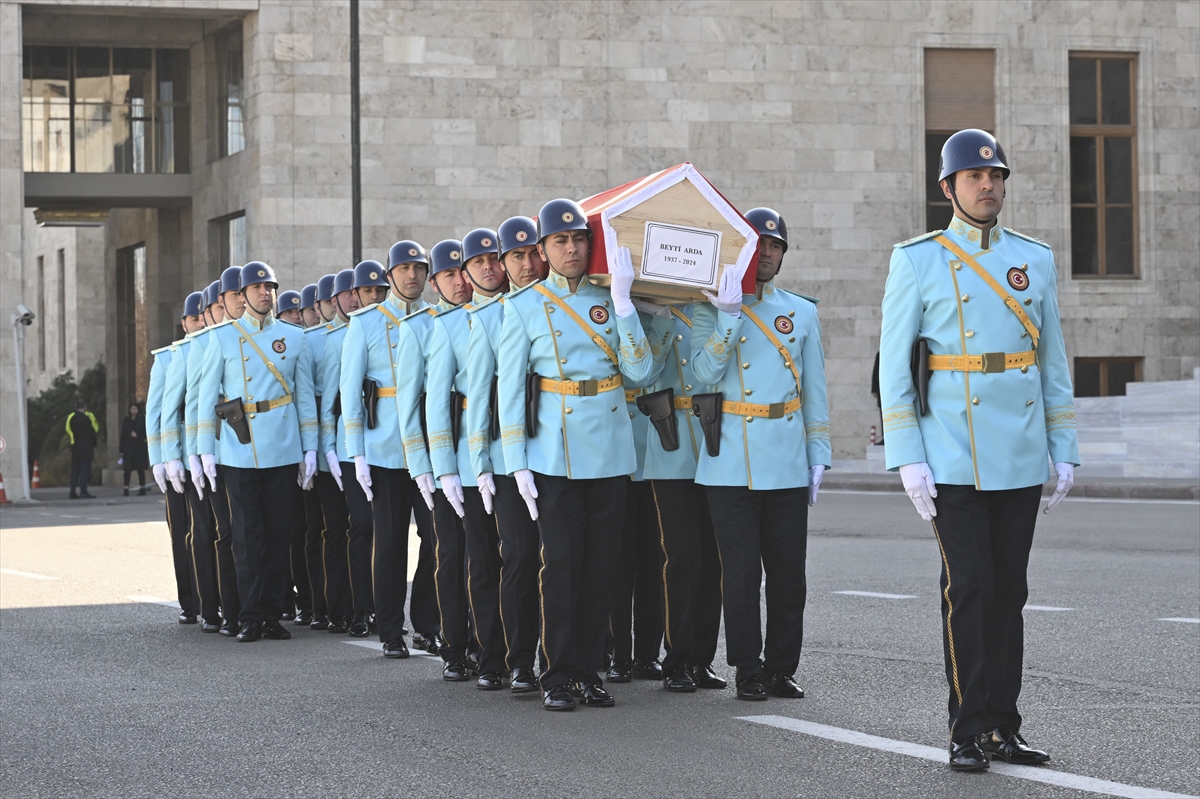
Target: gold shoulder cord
396, 322
265, 359
681, 316
597, 339
1013, 305
788, 360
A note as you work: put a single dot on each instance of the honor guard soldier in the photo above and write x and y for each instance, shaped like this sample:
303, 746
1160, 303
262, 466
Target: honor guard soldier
263, 368
309, 314
766, 430
974, 431
445, 496
178, 520
326, 524
325, 308
211, 293
367, 386
682, 524
233, 305
446, 390
519, 560
288, 308
562, 363
178, 442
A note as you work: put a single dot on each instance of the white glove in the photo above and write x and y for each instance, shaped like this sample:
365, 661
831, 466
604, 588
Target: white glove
197, 474
160, 476
452, 490
729, 294
210, 469
335, 468
362, 472
308, 470
487, 490
621, 270
815, 473
1066, 479
654, 309
175, 475
528, 489
918, 484
427, 488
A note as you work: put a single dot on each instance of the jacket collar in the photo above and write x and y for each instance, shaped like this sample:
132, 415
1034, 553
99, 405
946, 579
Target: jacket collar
968, 233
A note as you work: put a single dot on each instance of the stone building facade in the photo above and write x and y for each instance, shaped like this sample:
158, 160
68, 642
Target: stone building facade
474, 111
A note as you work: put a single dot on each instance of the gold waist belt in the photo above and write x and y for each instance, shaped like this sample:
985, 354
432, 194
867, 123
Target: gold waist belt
988, 362
776, 410
583, 388
390, 391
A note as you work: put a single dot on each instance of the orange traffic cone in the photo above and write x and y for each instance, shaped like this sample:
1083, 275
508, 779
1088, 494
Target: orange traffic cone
4, 500
36, 482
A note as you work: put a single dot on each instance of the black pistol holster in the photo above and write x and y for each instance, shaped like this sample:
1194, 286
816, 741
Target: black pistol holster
233, 412
421, 416
533, 390
708, 408
336, 408
370, 399
920, 374
660, 407
220, 399
456, 412
494, 410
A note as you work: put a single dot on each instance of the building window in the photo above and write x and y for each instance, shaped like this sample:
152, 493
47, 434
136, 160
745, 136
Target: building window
1105, 377
960, 93
104, 109
1103, 165
41, 312
62, 309
230, 241
231, 91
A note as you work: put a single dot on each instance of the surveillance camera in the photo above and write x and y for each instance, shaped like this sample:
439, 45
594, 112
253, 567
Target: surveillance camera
25, 315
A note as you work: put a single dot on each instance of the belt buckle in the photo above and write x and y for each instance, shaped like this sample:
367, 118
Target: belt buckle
262, 406
993, 363
589, 388
776, 410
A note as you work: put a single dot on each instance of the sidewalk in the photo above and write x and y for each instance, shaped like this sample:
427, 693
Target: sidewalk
104, 495
1098, 487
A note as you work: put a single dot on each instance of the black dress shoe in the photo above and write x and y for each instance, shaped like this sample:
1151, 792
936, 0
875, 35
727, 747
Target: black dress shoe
187, 617
338, 624
360, 628
395, 649
1010, 747
210, 625
455, 671
620, 672
127, 491
783, 686
472, 664
250, 631
229, 628
967, 756
141, 491
490, 681
705, 677
558, 698
287, 615
595, 696
319, 622
680, 682
72, 495
523, 680
276, 632
433, 643
647, 669
304, 618
751, 688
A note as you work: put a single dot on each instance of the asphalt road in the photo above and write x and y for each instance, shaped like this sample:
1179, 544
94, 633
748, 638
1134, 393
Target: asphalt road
104, 695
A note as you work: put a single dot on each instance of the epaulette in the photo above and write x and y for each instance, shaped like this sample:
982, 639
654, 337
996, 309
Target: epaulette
220, 324
813, 300
316, 329
464, 307
369, 308
922, 237
490, 302
1027, 238
291, 324
162, 349
521, 290
175, 344
428, 309
329, 328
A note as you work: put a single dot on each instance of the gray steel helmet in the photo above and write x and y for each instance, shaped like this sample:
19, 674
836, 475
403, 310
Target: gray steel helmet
257, 272
325, 288
308, 296
211, 292
971, 149
343, 281
404, 252
480, 241
768, 222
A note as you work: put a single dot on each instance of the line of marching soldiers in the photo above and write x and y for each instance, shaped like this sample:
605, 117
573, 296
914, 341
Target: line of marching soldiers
589, 474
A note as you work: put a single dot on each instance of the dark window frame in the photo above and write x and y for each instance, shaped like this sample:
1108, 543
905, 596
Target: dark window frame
1137, 361
229, 43
1099, 132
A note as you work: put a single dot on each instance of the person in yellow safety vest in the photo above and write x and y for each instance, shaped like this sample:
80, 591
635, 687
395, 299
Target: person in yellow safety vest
82, 432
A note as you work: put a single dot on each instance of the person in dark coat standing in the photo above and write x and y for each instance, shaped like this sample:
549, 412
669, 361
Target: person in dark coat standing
134, 454
82, 432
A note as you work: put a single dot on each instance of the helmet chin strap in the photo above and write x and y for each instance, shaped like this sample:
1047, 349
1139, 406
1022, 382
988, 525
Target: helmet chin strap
981, 222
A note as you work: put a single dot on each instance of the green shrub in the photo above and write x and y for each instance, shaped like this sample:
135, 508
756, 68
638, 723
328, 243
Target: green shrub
48, 413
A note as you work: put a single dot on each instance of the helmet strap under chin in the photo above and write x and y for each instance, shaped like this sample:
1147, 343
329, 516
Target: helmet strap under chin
981, 222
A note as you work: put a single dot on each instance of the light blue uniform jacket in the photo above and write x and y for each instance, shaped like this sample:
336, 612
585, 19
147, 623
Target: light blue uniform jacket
233, 368
446, 370
487, 317
332, 336
316, 345
154, 394
577, 437
993, 431
738, 360
415, 337
671, 342
369, 350
195, 368
178, 431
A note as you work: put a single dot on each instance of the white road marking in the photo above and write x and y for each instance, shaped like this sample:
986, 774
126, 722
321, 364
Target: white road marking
30, 575
153, 600
378, 648
1118, 500
876, 595
1045, 607
1171, 618
1061, 779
